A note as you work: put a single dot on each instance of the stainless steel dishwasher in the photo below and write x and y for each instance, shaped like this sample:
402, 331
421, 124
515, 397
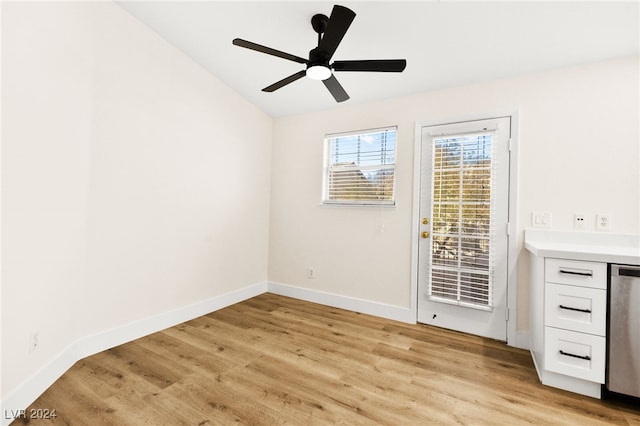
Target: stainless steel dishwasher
623, 374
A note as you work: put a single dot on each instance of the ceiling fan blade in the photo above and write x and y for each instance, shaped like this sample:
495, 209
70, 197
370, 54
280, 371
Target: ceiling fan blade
339, 22
285, 81
375, 65
336, 89
268, 50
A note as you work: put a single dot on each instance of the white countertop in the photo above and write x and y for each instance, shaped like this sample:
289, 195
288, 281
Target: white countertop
593, 246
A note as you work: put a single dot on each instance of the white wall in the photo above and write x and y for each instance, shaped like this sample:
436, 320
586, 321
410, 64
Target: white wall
46, 133
579, 151
134, 183
180, 179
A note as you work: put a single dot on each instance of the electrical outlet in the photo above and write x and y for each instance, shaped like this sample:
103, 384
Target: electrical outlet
311, 273
603, 222
34, 341
579, 221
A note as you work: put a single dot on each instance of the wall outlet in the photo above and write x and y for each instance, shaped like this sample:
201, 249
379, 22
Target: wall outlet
311, 273
579, 221
541, 220
603, 222
34, 341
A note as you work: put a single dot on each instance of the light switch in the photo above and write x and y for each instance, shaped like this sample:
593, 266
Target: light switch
541, 219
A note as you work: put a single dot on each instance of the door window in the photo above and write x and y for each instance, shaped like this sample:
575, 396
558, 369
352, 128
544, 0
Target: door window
461, 214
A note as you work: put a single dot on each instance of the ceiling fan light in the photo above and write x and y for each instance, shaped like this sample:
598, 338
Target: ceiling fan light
318, 72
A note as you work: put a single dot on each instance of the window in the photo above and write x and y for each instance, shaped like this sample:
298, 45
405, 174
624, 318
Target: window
360, 167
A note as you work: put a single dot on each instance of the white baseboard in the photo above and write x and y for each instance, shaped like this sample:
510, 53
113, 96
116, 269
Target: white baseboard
382, 310
34, 386
110, 338
14, 404
365, 306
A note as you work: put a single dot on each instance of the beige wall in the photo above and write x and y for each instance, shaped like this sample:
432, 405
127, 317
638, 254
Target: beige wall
131, 182
578, 152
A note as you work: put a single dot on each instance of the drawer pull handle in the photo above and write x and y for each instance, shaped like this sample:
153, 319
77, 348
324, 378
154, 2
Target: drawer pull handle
585, 357
569, 308
580, 273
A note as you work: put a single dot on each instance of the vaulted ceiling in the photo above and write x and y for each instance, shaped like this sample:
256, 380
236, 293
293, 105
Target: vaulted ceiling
446, 43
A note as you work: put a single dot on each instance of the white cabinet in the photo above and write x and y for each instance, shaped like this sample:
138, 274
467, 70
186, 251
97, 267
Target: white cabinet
568, 303
569, 307
575, 318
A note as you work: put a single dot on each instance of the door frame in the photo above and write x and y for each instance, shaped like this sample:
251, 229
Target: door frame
512, 225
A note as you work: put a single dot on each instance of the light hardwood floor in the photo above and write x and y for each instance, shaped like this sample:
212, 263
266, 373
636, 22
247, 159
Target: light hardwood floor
273, 360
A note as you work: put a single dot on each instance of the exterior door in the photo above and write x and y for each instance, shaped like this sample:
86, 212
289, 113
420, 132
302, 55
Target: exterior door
463, 241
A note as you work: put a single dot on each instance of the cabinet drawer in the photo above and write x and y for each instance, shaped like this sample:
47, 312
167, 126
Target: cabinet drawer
576, 308
576, 272
575, 354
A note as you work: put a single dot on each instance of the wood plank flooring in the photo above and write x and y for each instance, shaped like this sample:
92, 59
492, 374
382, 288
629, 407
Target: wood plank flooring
273, 360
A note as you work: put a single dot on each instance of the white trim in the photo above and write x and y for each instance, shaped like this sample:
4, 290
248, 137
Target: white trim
358, 206
572, 384
513, 336
415, 226
361, 132
37, 383
522, 341
360, 203
328, 166
1, 210
116, 336
381, 310
512, 284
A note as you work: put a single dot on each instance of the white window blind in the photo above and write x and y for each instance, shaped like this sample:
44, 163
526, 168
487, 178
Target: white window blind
462, 257
360, 167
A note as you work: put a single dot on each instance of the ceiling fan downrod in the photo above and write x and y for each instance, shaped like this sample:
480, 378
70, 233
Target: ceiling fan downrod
319, 23
318, 67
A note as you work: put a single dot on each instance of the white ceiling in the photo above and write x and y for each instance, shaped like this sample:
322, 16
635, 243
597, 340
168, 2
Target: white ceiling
446, 43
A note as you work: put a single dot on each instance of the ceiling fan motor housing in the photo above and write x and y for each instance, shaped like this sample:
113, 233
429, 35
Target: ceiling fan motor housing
318, 66
318, 57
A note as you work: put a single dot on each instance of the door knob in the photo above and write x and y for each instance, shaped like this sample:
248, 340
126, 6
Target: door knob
425, 221
425, 234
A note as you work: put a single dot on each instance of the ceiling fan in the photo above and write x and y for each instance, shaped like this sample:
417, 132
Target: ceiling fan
330, 31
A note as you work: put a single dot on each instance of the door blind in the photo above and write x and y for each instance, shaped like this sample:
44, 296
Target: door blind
461, 270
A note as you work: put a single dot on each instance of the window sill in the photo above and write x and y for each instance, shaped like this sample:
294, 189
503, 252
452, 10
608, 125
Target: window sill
364, 204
